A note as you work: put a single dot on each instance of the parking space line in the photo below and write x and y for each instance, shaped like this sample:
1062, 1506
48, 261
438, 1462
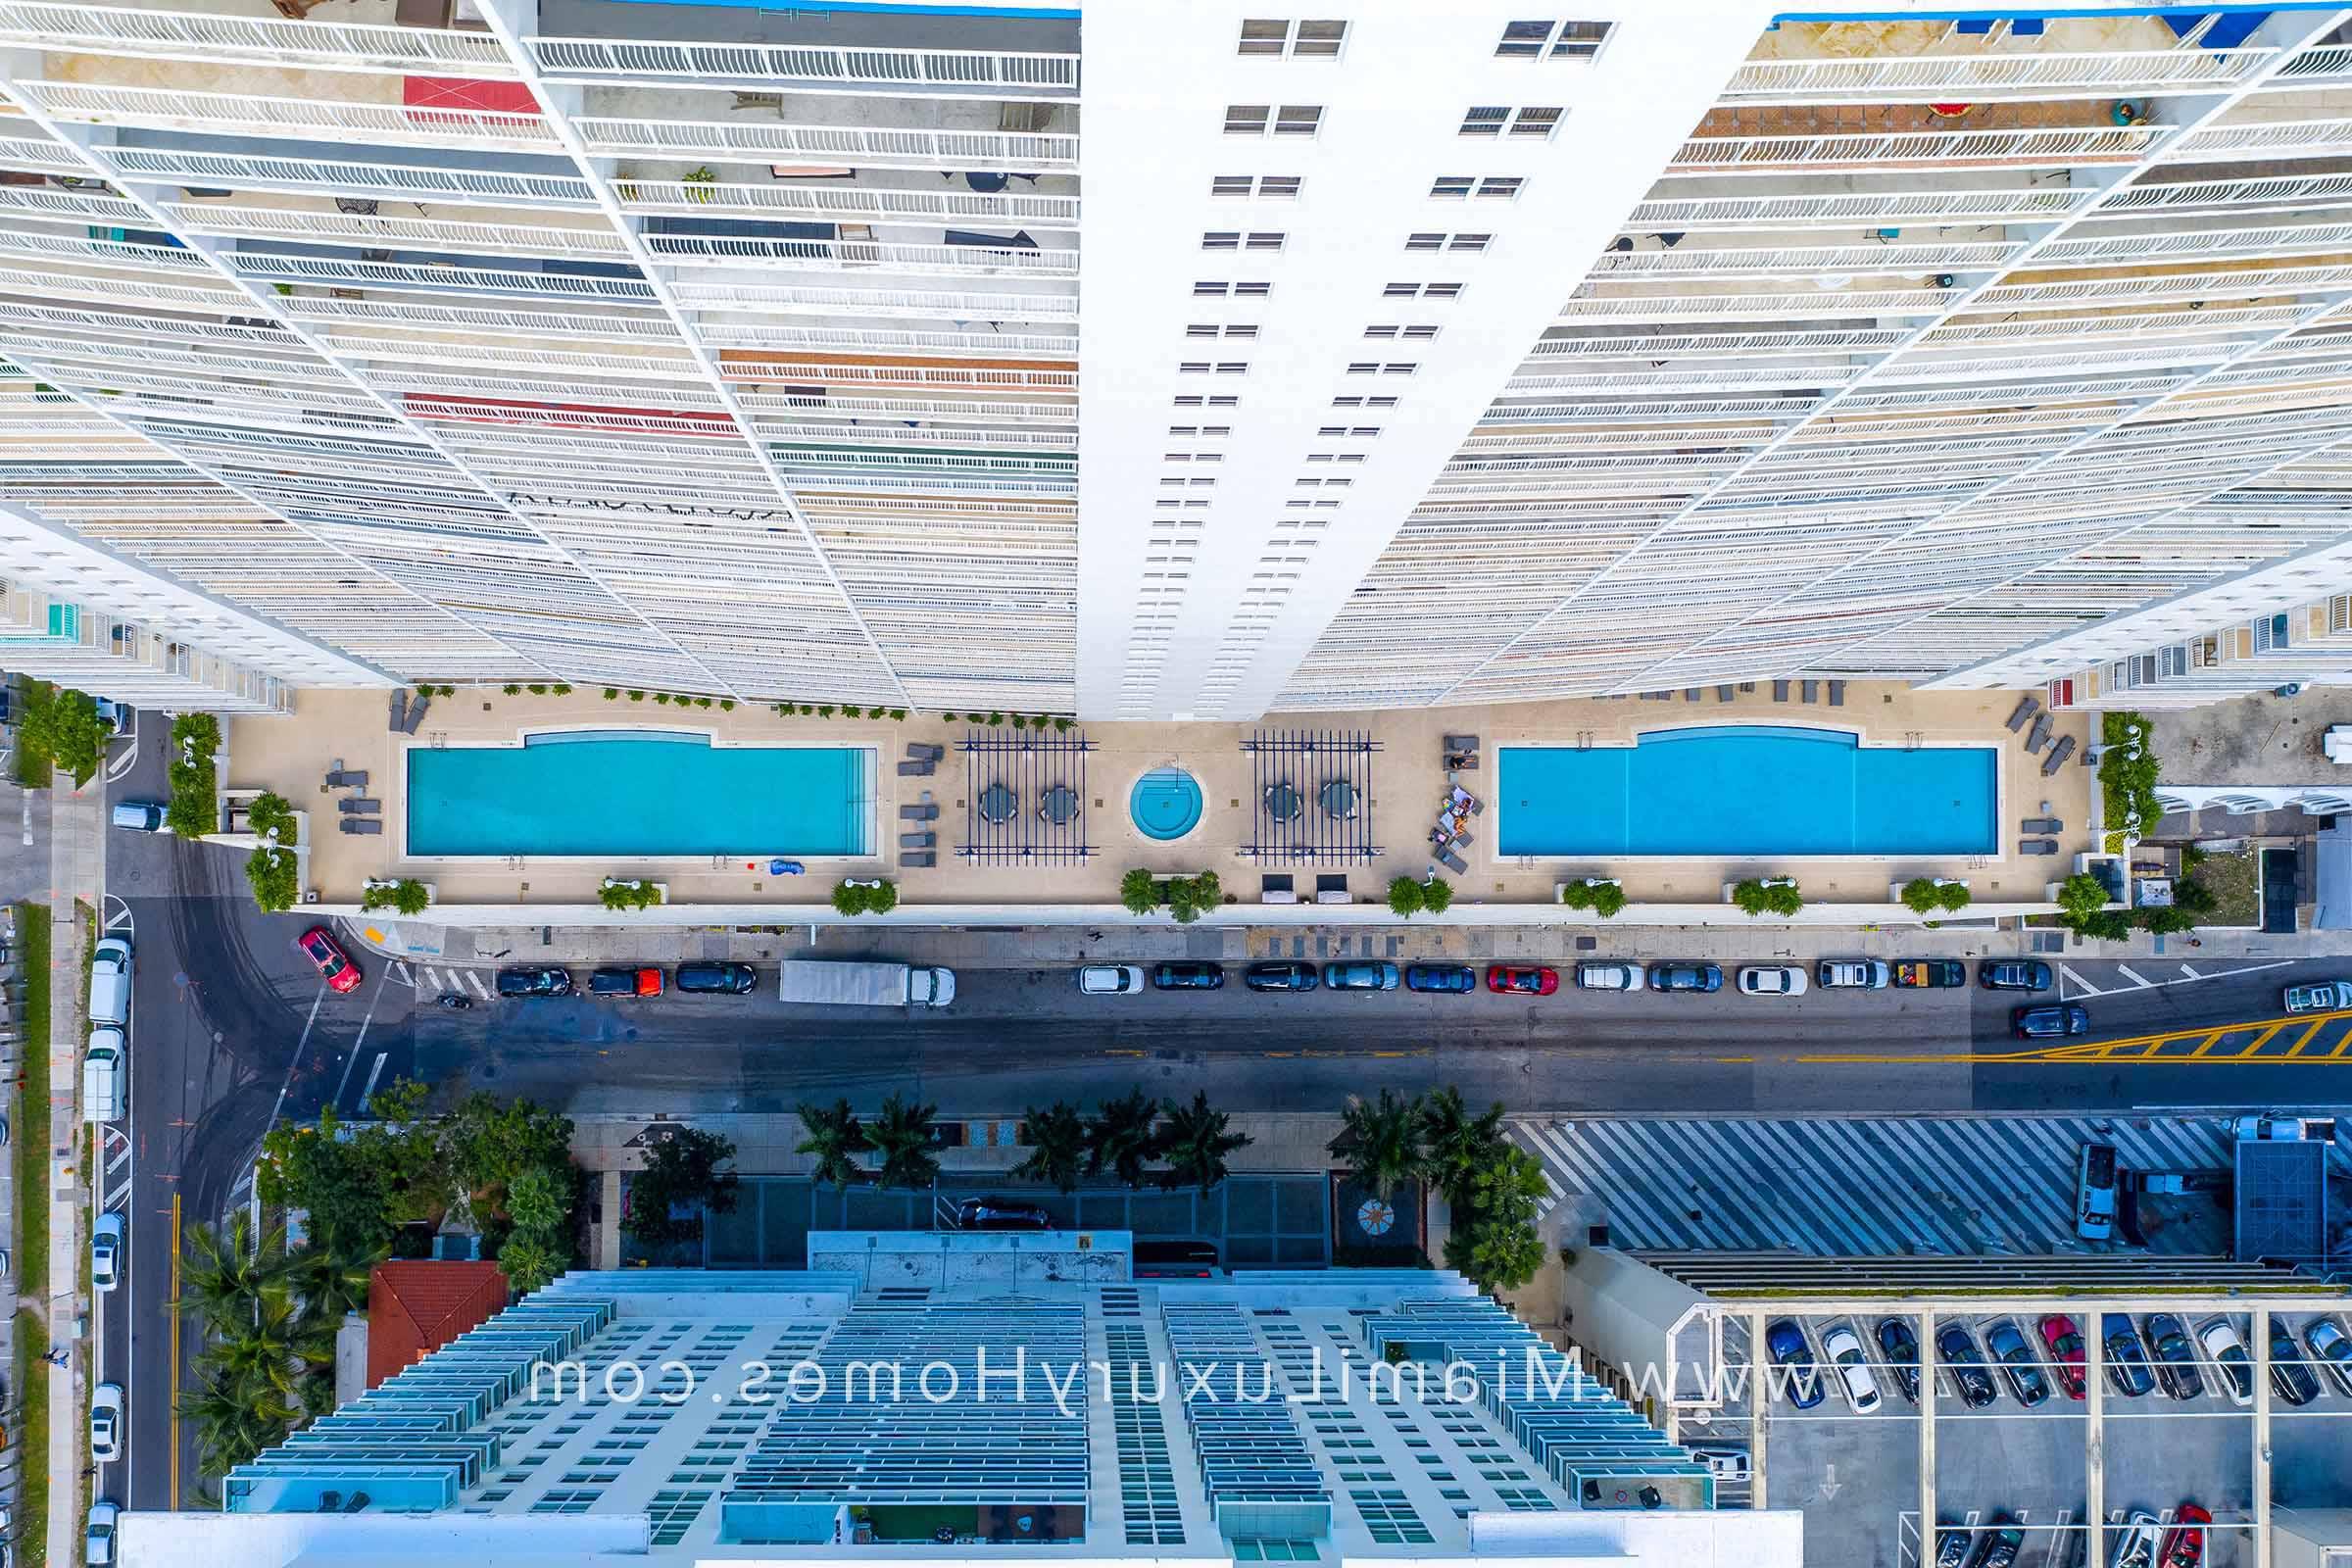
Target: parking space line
481, 990
2078, 983
2133, 975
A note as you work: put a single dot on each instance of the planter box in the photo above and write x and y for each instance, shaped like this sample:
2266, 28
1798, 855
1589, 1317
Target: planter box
1559, 889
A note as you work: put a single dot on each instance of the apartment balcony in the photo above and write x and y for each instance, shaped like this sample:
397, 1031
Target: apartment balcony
2056, 134
1003, 77
852, 335
2264, 130
787, 130
38, 154
835, 247
1869, 260
250, 101
1989, 77
331, 221
1833, 201
259, 36
533, 182
528, 278
885, 196
758, 295
806, 401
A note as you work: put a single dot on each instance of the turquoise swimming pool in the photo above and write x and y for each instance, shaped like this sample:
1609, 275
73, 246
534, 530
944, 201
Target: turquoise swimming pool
639, 792
1746, 790
1165, 803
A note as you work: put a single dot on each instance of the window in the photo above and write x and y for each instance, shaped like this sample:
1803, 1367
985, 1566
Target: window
1447, 242
1537, 121
1499, 187
2270, 631
1363, 403
1427, 291
1197, 402
1247, 119
1299, 40
1262, 242
1298, 120
1281, 187
1415, 333
1456, 186
1210, 329
1221, 239
1239, 291
1453, 185
2339, 613
1487, 119
2173, 660
1552, 41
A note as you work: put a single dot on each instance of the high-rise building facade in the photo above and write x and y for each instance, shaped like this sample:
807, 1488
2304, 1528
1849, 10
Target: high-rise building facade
1405, 353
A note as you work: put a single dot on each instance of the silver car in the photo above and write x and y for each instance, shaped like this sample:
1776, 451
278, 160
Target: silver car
1610, 977
106, 1423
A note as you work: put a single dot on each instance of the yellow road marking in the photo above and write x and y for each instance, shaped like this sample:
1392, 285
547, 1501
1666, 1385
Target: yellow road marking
172, 1307
2306, 1038
2203, 1045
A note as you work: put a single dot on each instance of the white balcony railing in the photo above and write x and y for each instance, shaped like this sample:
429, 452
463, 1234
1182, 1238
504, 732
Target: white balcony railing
330, 314
851, 203
1976, 79
210, 217
959, 304
1695, 345
811, 68
1922, 301
2250, 282
76, 206
270, 41
1846, 209
867, 146
330, 272
1746, 260
2301, 138
235, 113
399, 182
2197, 245
854, 340
735, 367
723, 250
831, 404
21, 152
2017, 149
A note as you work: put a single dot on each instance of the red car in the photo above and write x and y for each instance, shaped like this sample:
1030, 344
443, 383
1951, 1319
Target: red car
2184, 1543
2059, 1333
334, 964
1522, 980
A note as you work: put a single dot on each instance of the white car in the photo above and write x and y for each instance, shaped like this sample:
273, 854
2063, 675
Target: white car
1110, 979
106, 1422
1845, 1353
106, 1251
1610, 977
2229, 1353
1727, 1462
1852, 974
98, 1536
1773, 980
2136, 1542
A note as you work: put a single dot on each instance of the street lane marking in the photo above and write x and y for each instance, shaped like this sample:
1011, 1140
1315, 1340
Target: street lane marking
2255, 1042
374, 997
2080, 984
292, 1066
481, 990
400, 972
2306, 1038
373, 1073
2133, 975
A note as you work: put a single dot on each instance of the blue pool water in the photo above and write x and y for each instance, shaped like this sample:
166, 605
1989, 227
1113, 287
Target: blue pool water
1746, 790
1165, 803
621, 792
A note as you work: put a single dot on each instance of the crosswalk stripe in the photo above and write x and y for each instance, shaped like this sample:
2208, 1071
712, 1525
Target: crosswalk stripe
2082, 986
474, 980
432, 976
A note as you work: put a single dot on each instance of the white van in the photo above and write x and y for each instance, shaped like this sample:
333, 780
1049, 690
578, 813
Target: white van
110, 982
105, 1062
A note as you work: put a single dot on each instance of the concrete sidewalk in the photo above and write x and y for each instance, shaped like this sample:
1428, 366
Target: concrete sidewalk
77, 879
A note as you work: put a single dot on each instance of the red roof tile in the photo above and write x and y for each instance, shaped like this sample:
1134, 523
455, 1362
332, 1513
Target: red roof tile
418, 1305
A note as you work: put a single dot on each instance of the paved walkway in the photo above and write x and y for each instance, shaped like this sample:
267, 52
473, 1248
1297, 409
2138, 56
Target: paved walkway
77, 877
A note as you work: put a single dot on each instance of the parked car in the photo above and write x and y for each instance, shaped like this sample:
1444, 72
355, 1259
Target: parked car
1282, 977
106, 1423
1609, 976
1957, 1349
534, 980
106, 1251
2174, 1359
2129, 1370
2095, 1193
2291, 1377
1522, 980
1773, 980
2184, 1543
335, 968
2227, 1351
2331, 1349
2322, 996
1900, 1347
1952, 1544
1187, 976
2019, 1364
1997, 1543
2049, 1020
1684, 977
1793, 1355
722, 979
1727, 1461
2068, 1355
1362, 974
1851, 974
615, 980
1843, 1346
1453, 979
1110, 979
98, 1533
1933, 975
1001, 1215
2014, 974
138, 817
2135, 1541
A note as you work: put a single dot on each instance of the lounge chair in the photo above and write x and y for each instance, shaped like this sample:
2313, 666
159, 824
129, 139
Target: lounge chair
342, 778
918, 841
1836, 694
916, 769
1463, 841
1809, 691
408, 726
2058, 755
2041, 825
2037, 846
1461, 761
919, 814
360, 806
1461, 743
1454, 862
400, 710
916, 861
1276, 887
925, 753
2040, 735
1723, 694
1780, 691
2023, 711
361, 824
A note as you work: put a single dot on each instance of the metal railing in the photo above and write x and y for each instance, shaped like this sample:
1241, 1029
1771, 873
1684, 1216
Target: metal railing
814, 67
216, 113
603, 323
1979, 76
1733, 260
2299, 136
862, 340
67, 204
817, 373
398, 181
1847, 208
869, 146
827, 404
2276, 240
2284, 190
853, 202
838, 252
958, 305
205, 218
330, 272
1921, 301
2084, 145
192, 35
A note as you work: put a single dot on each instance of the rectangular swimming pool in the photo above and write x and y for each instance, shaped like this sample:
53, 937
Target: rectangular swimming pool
1748, 789
639, 792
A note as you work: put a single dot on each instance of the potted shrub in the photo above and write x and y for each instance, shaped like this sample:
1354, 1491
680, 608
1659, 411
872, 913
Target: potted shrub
630, 894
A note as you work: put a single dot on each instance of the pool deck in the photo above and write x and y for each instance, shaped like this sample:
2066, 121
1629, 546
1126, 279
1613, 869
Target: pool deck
292, 754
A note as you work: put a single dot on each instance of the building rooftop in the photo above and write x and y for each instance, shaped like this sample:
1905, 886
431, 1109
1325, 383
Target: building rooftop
2252, 742
416, 1306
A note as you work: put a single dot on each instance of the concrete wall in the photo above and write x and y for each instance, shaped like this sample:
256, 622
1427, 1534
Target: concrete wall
1624, 1313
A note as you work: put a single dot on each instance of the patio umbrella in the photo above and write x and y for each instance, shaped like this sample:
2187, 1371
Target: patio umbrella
1338, 799
1059, 805
998, 804
1282, 803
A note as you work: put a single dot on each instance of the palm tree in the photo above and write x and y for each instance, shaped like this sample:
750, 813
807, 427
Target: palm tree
1454, 1143
1381, 1142
275, 1347
233, 1421
1056, 1144
332, 1281
528, 1261
834, 1134
1123, 1136
535, 1202
903, 1133
224, 1275
1196, 1144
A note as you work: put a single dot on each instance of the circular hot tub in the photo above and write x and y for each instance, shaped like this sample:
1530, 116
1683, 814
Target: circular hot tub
1165, 803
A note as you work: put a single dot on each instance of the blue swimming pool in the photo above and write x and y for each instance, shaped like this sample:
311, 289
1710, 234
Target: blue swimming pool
1165, 803
1746, 790
639, 792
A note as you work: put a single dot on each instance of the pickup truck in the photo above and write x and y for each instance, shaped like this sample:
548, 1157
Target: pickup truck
2321, 996
1933, 973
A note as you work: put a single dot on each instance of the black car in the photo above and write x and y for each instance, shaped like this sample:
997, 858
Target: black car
2028, 1384
2050, 1020
1958, 1349
1997, 1543
1455, 977
1900, 1347
1001, 1215
2128, 1369
1187, 976
2291, 1377
2174, 1358
729, 979
1685, 977
1274, 977
1951, 1546
534, 981
2013, 974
